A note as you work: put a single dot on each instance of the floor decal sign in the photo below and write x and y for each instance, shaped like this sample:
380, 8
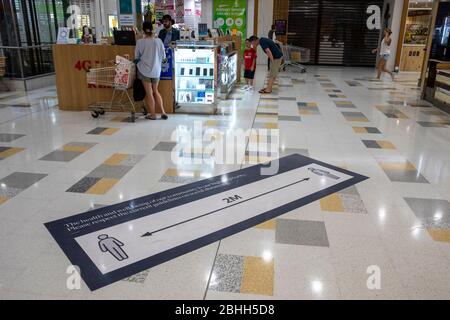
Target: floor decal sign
118, 241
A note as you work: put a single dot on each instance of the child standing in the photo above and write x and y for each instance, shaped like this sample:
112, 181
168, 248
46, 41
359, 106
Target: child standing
249, 65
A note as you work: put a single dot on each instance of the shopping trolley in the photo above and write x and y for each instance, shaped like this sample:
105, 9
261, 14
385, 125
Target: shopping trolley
119, 76
294, 56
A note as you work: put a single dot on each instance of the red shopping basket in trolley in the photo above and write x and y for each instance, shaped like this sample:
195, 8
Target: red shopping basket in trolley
119, 76
294, 56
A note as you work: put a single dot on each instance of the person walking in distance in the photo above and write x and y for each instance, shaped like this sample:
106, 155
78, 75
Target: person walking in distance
275, 55
385, 53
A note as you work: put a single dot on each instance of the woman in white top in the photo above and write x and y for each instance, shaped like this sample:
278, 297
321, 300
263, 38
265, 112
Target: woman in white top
150, 53
385, 53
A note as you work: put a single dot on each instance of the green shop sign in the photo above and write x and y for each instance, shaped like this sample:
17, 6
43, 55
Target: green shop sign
231, 16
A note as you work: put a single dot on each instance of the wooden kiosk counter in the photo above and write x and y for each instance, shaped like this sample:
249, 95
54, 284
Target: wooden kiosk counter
71, 64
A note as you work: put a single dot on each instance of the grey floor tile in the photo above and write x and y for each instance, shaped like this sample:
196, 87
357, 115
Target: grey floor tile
8, 137
107, 171
289, 118
344, 105
426, 124
138, 277
288, 98
261, 125
22, 180
371, 144
352, 203
298, 232
81, 144
97, 130
372, 130
83, 185
165, 146
181, 180
405, 176
9, 192
228, 271
349, 114
131, 160
432, 212
60, 155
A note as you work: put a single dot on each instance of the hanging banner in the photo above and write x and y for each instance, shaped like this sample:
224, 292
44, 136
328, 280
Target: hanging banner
167, 67
231, 17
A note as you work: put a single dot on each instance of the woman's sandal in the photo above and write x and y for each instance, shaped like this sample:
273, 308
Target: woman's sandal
149, 117
264, 91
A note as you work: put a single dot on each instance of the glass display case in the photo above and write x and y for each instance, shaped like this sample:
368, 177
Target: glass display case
228, 73
195, 74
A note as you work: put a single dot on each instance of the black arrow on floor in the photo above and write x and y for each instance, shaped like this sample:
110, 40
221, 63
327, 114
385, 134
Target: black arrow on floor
148, 234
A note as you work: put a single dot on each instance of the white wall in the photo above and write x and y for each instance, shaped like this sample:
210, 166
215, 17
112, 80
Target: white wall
265, 18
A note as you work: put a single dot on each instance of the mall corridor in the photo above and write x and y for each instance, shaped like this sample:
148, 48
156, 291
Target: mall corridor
55, 164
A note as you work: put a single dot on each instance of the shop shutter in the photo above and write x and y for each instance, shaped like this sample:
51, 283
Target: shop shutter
334, 30
303, 24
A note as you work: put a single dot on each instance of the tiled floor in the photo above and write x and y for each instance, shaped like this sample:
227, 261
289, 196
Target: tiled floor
55, 164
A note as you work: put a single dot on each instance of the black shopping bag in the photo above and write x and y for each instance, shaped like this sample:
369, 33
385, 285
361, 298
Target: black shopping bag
138, 90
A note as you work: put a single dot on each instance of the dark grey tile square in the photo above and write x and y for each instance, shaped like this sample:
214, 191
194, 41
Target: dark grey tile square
8, 137
431, 212
427, 124
372, 130
81, 144
405, 176
165, 146
98, 130
22, 180
299, 232
228, 271
289, 118
107, 171
288, 98
83, 185
349, 114
371, 144
60, 155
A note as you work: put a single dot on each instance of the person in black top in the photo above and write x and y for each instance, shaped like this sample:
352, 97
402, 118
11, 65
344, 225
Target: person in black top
275, 55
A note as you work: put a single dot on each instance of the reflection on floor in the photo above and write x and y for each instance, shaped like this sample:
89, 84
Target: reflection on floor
55, 164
